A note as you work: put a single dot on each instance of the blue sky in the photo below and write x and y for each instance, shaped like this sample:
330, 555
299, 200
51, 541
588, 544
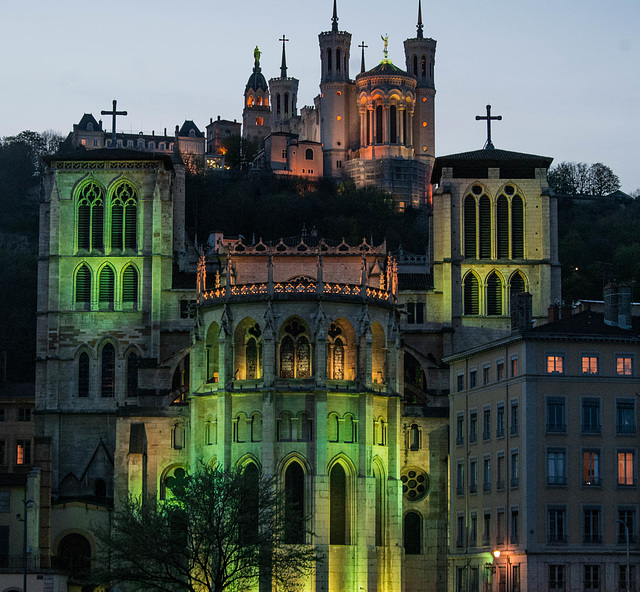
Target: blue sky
565, 75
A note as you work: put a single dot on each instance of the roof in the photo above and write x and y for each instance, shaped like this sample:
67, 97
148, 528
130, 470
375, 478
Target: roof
475, 164
187, 127
385, 67
585, 324
88, 120
109, 154
415, 281
257, 81
13, 479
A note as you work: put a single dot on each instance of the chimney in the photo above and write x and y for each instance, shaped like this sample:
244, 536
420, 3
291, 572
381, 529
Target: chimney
521, 312
617, 305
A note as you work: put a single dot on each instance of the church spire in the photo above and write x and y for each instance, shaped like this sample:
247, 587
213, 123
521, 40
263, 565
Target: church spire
362, 45
420, 27
283, 66
334, 19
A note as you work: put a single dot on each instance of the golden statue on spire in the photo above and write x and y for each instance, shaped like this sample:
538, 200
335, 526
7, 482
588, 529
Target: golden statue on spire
256, 55
385, 38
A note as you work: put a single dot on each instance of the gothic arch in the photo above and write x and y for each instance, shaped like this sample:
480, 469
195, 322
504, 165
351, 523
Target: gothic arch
84, 358
245, 460
75, 551
89, 197
256, 427
83, 282
471, 294
412, 532
341, 472
518, 282
106, 286
305, 427
494, 285
380, 508
130, 282
341, 350
295, 349
296, 495
122, 214
212, 348
171, 477
109, 354
248, 350
70, 486
378, 354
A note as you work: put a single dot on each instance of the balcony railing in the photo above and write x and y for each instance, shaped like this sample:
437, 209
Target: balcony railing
15, 563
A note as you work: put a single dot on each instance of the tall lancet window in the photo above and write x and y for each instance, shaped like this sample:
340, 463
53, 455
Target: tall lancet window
338, 507
294, 529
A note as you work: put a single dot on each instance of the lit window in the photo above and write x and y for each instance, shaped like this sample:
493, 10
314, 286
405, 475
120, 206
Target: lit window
259, 120
555, 364
486, 373
23, 452
625, 468
500, 371
514, 367
624, 366
591, 467
589, 365
83, 142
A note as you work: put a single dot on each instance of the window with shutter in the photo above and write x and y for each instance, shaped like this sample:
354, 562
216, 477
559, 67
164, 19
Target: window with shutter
130, 286
485, 228
106, 286
494, 295
517, 228
470, 289
108, 370
470, 227
503, 227
117, 213
83, 286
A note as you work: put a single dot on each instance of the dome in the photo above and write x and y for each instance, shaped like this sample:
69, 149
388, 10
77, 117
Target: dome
257, 81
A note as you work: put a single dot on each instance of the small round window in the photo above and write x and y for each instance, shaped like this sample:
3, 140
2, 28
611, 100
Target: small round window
415, 484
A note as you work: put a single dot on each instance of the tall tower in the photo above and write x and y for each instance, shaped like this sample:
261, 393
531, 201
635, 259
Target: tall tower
256, 115
337, 94
284, 92
420, 53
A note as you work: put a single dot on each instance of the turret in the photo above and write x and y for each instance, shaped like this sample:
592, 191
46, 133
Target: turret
284, 92
256, 116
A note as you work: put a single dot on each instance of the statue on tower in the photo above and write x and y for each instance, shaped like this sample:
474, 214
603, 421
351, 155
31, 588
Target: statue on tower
385, 38
256, 55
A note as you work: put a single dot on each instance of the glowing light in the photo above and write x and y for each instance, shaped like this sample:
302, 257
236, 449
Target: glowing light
424, 124
496, 553
424, 99
339, 93
339, 118
424, 148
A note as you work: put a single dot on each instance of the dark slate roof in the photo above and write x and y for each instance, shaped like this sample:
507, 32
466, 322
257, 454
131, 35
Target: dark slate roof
13, 479
385, 67
110, 154
415, 281
474, 165
257, 81
584, 324
187, 126
87, 119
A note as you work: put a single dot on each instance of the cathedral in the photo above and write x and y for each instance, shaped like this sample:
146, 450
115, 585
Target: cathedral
314, 360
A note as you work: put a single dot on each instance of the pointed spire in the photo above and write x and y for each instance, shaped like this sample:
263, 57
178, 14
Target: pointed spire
420, 27
362, 67
283, 66
334, 19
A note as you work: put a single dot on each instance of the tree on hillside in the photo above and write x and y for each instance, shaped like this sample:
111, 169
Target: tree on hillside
578, 178
220, 531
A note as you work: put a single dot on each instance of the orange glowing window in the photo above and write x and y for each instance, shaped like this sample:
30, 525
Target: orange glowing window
424, 99
83, 142
250, 101
259, 120
424, 124
259, 100
339, 93
424, 148
339, 118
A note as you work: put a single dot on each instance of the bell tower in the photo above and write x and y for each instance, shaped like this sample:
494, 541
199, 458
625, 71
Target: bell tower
256, 115
420, 54
284, 91
336, 92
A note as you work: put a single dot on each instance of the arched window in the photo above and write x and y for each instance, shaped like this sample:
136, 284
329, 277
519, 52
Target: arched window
380, 504
308, 154
100, 488
83, 375
130, 288
177, 436
212, 347
414, 437
332, 428
485, 228
338, 59
278, 103
259, 101
83, 287
494, 295
412, 533
338, 507
470, 227
415, 66
329, 58
338, 360
295, 352
349, 433
294, 511
470, 291
284, 427
106, 287
286, 103
379, 127
210, 431
90, 217
517, 228
424, 66
241, 428
256, 427
108, 379
253, 352
304, 428
517, 284
74, 552
502, 216
393, 125
132, 374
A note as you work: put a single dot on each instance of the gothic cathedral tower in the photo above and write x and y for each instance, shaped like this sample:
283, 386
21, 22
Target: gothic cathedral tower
336, 96
284, 91
256, 115
420, 58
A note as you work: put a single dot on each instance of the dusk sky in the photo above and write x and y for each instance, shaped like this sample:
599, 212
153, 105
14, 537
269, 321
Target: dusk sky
565, 75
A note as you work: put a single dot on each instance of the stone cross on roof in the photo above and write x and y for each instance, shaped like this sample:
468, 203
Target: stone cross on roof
113, 113
489, 118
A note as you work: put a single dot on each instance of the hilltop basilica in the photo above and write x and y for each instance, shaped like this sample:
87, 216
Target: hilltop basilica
307, 358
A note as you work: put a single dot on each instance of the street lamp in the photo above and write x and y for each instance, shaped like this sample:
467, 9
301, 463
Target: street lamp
24, 545
628, 575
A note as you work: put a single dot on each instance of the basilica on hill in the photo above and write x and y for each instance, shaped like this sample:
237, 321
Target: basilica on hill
307, 358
